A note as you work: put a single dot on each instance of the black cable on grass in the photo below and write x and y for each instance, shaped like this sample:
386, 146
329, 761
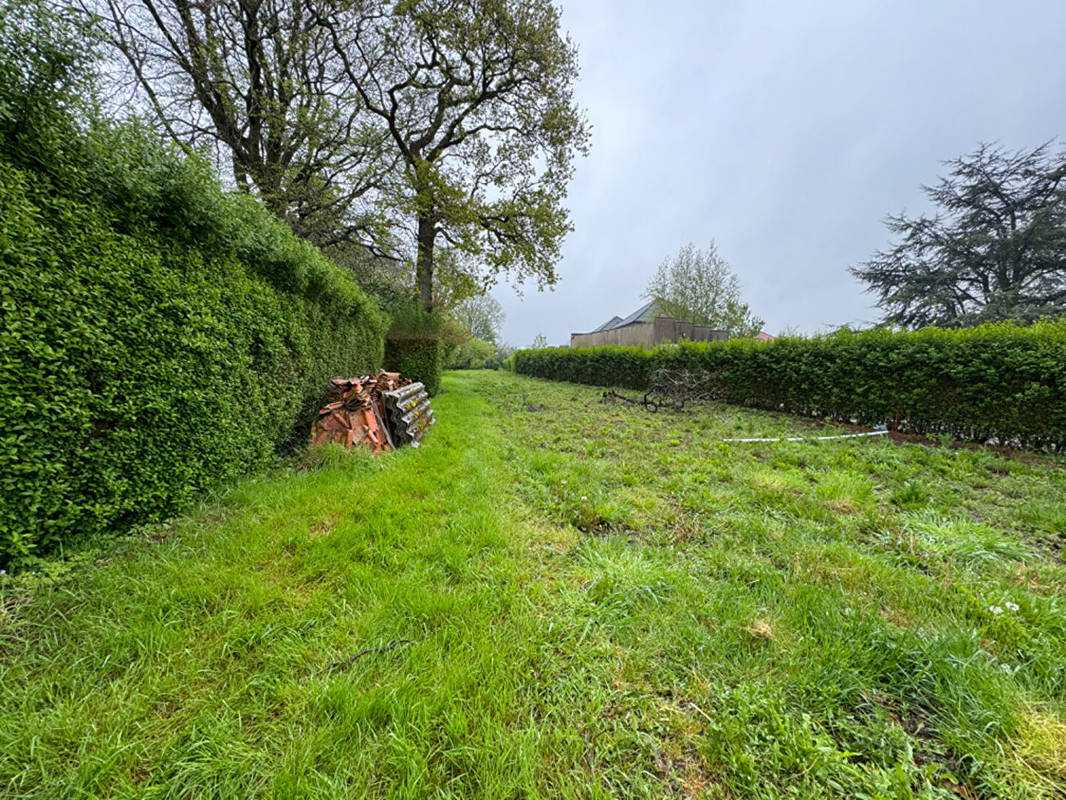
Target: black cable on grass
352, 659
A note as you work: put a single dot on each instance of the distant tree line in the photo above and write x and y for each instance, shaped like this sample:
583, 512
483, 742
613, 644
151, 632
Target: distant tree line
479, 320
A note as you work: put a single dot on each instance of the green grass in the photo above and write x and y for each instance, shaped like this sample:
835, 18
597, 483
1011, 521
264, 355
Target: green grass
598, 602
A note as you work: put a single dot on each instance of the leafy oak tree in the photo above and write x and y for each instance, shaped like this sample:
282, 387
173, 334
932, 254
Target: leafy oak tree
476, 98
697, 286
260, 84
994, 250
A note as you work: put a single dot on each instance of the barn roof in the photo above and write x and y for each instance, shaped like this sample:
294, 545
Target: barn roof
611, 323
643, 314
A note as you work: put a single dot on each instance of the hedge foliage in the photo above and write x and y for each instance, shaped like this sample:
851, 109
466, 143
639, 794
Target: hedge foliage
996, 381
158, 335
418, 358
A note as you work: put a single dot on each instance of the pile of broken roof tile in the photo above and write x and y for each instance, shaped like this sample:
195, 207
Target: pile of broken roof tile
381, 412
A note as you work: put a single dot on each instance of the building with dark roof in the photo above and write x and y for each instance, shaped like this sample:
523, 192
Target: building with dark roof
646, 327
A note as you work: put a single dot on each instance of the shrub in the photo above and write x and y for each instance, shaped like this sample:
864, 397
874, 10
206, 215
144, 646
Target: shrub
997, 381
474, 354
158, 336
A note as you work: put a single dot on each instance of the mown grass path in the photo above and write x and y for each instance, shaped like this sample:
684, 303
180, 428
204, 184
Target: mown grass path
589, 602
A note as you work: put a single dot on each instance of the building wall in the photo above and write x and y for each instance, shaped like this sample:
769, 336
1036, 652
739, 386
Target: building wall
672, 330
649, 334
639, 334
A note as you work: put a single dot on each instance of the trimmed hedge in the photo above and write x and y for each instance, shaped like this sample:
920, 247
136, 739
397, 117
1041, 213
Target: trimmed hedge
420, 358
158, 336
997, 381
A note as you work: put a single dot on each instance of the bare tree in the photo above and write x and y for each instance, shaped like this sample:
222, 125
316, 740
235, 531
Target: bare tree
476, 99
260, 82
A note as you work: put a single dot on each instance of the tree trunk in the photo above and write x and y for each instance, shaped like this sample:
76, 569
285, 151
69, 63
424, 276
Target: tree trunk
427, 234
240, 175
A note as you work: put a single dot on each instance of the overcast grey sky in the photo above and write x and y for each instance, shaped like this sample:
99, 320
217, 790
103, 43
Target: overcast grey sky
785, 131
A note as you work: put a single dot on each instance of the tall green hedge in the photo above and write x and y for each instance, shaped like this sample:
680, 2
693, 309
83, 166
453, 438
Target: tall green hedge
415, 342
998, 382
420, 358
158, 336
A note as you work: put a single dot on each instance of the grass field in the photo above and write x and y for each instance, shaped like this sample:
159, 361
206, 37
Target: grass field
581, 601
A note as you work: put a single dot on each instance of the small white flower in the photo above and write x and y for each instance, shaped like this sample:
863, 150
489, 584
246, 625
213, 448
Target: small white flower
583, 497
564, 481
995, 610
1011, 606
